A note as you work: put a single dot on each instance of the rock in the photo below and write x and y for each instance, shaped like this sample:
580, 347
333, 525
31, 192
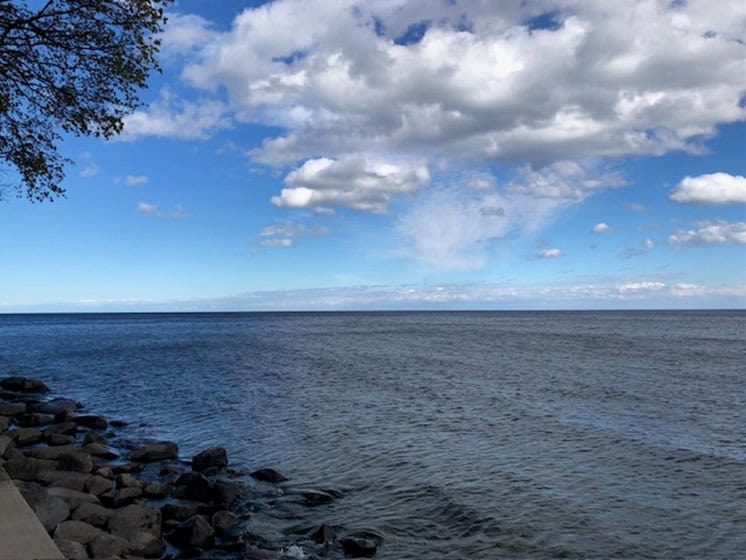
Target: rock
216, 457
91, 421
170, 471
194, 486
93, 437
64, 479
358, 547
23, 385
34, 419
128, 481
93, 514
5, 444
57, 407
71, 550
50, 510
157, 491
97, 485
224, 521
50, 453
120, 498
194, 532
77, 531
73, 498
4, 423
12, 409
180, 511
128, 468
24, 436
67, 428
108, 546
323, 534
60, 439
105, 471
27, 469
269, 475
316, 497
118, 423
76, 462
144, 543
224, 493
100, 450
156, 452
135, 517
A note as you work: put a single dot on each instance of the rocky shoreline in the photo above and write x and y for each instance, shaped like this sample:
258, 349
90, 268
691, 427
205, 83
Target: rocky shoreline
100, 495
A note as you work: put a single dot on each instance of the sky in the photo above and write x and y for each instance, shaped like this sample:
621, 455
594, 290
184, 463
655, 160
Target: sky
409, 154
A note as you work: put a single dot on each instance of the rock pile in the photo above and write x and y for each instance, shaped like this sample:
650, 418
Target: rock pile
99, 499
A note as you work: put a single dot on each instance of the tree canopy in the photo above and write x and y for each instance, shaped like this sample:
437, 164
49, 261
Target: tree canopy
69, 66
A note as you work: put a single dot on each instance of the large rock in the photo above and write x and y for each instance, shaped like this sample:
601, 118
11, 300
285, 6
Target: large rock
72, 497
4, 423
93, 514
77, 531
12, 409
223, 492
224, 521
27, 469
100, 450
126, 480
120, 498
91, 421
50, 510
194, 486
76, 462
180, 511
97, 485
5, 444
144, 543
358, 547
67, 428
156, 452
157, 491
194, 532
64, 479
135, 517
108, 546
59, 439
216, 457
34, 419
25, 436
269, 475
50, 453
71, 550
57, 407
23, 385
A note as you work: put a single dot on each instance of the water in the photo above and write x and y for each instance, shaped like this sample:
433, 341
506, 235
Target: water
454, 435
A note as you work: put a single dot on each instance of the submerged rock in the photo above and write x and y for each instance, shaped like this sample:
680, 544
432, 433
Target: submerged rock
269, 475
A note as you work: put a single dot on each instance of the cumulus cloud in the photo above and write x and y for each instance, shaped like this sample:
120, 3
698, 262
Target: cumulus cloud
172, 117
602, 228
134, 180
717, 232
712, 188
154, 210
184, 33
355, 182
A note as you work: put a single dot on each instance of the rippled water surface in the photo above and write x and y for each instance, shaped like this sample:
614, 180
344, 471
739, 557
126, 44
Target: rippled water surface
454, 435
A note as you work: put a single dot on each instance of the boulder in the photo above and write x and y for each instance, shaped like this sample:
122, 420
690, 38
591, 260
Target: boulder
269, 475
108, 546
194, 486
100, 450
5, 444
223, 492
216, 457
50, 510
144, 543
4, 423
27, 469
50, 453
25, 436
157, 491
135, 517
105, 471
180, 511
156, 452
23, 385
12, 409
126, 480
128, 468
120, 498
224, 521
91, 421
358, 547
60, 439
57, 407
97, 485
77, 531
194, 532
67, 428
71, 550
73, 498
64, 479
76, 462
34, 419
93, 514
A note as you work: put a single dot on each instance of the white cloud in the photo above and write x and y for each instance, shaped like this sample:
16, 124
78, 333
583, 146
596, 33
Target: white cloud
567, 180
551, 253
171, 117
148, 209
719, 232
184, 33
713, 188
289, 229
648, 244
283, 242
602, 228
646, 286
356, 182
134, 180
90, 170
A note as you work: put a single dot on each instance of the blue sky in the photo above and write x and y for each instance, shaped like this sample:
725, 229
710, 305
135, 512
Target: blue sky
407, 155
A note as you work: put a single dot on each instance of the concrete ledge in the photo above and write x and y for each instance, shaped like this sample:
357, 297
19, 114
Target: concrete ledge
22, 536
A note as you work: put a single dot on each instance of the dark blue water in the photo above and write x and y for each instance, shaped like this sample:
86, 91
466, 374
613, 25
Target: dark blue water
454, 435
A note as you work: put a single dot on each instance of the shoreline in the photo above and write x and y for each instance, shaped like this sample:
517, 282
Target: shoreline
100, 495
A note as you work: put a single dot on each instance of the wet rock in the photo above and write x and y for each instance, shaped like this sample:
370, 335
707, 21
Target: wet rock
35, 419
120, 498
24, 436
224, 521
194, 486
93, 514
73, 498
156, 452
157, 491
108, 546
180, 511
269, 475
57, 407
223, 493
93, 437
71, 550
76, 462
170, 471
216, 457
316, 497
128, 468
323, 534
194, 532
50, 510
23, 385
67, 428
60, 439
91, 421
118, 423
128, 481
77, 531
12, 409
101, 451
98, 485
358, 547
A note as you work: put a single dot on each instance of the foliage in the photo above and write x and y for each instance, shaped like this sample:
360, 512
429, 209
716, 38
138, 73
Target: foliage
69, 66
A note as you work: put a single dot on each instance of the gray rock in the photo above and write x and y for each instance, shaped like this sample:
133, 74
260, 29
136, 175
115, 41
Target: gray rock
180, 511
60, 439
4, 423
91, 421
216, 457
156, 452
63, 479
108, 546
120, 498
77, 531
71, 550
194, 486
50, 453
93, 514
135, 517
35, 419
105, 471
5, 444
67, 428
194, 532
57, 407
93, 437
100, 450
27, 469
223, 492
12, 409
72, 497
126, 480
50, 510
77, 462
269, 475
144, 543
357, 547
224, 521
157, 491
24, 436
97, 485
23, 385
